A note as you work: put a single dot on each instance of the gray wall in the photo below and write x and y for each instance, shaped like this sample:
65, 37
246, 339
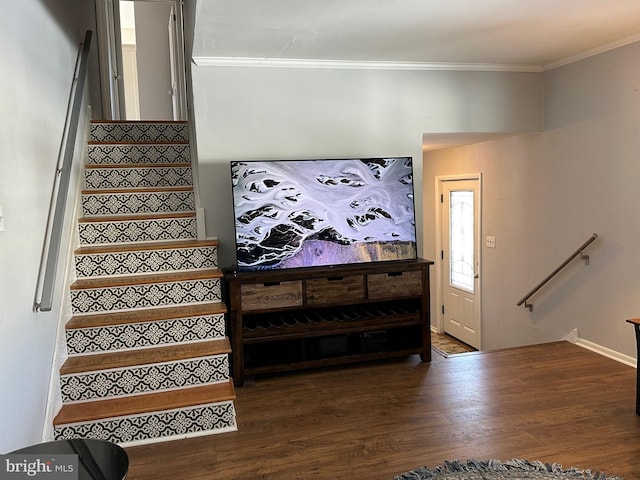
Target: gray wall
38, 44
546, 194
267, 113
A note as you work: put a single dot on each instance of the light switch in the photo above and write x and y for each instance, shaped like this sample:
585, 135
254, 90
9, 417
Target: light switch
491, 242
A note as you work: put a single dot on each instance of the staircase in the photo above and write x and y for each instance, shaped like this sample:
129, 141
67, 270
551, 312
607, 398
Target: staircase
148, 356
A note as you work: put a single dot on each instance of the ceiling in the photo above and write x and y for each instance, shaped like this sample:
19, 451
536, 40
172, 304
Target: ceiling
500, 34
508, 35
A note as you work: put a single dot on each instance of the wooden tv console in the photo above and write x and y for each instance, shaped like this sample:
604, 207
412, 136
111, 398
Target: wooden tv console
283, 320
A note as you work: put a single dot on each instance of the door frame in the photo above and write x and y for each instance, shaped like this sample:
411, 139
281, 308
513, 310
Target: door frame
110, 59
440, 181
177, 61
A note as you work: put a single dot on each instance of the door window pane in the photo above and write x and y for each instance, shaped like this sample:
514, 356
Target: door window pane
461, 240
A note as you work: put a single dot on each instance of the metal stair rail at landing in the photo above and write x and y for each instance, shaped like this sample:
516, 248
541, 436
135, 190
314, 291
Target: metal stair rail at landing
535, 289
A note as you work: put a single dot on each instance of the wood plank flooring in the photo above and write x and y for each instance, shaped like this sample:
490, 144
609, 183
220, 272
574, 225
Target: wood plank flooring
555, 402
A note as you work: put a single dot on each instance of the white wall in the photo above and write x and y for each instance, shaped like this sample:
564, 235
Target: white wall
546, 194
38, 45
266, 113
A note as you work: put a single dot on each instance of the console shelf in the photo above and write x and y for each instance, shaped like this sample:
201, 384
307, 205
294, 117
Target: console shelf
319, 316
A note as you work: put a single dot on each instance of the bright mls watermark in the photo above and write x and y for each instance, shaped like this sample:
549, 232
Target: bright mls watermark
43, 466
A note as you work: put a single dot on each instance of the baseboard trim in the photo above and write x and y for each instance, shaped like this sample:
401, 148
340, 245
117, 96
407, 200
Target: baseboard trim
573, 337
607, 352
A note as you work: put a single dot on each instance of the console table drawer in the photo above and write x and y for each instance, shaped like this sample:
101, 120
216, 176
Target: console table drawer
394, 284
335, 290
258, 296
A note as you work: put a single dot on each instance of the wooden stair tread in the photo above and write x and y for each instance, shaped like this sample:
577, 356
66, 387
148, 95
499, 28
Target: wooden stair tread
147, 403
137, 142
102, 282
120, 143
121, 218
99, 121
93, 166
135, 247
149, 143
107, 191
144, 356
148, 315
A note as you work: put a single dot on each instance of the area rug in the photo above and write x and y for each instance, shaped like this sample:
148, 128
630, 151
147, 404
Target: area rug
446, 347
516, 469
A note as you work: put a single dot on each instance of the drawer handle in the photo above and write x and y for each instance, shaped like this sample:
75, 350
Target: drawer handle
271, 284
394, 274
335, 279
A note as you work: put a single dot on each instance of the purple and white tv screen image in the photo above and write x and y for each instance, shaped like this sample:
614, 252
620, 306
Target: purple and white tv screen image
303, 213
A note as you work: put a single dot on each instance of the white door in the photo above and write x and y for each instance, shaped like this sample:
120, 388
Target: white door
460, 207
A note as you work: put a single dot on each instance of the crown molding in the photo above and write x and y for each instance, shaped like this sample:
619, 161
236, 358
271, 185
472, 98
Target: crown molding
594, 51
258, 62
358, 65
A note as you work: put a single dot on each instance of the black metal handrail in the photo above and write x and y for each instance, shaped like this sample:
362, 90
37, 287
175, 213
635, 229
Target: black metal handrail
53, 234
553, 274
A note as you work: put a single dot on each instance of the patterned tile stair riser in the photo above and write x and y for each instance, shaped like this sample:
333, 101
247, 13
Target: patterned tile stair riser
127, 336
161, 426
129, 262
148, 353
117, 154
139, 132
139, 379
138, 177
132, 231
137, 203
127, 297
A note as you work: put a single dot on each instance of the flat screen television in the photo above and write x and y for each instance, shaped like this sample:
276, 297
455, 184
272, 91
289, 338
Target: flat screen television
306, 213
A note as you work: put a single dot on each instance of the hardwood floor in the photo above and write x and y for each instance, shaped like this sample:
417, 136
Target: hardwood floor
555, 402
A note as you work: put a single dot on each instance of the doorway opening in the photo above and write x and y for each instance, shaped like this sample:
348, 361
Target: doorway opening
142, 59
458, 270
